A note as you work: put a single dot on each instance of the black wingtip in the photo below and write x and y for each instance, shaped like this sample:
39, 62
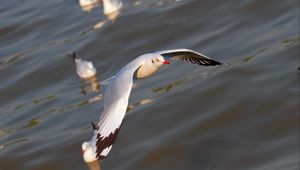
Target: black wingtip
215, 63
73, 55
207, 62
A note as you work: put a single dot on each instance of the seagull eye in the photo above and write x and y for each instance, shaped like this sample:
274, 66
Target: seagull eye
157, 60
152, 61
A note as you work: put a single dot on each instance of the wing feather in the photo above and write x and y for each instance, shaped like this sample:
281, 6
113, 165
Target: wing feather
115, 105
189, 56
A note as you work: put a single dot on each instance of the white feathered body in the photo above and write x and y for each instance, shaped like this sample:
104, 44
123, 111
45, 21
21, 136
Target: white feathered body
85, 69
111, 6
84, 3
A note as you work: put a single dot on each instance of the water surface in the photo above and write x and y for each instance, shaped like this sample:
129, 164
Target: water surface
241, 116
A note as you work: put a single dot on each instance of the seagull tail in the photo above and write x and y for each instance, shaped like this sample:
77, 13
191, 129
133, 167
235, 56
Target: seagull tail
94, 126
73, 55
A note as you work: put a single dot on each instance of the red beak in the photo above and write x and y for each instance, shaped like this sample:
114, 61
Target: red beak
166, 62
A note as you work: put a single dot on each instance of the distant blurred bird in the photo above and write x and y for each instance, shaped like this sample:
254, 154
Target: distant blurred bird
89, 149
86, 3
118, 91
109, 6
84, 69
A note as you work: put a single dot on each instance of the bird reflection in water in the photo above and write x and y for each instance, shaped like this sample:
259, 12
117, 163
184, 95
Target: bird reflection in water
95, 165
139, 103
90, 85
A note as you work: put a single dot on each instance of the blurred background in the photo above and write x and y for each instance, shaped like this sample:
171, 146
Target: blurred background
243, 116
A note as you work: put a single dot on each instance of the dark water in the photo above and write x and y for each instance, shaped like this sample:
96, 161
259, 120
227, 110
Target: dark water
243, 116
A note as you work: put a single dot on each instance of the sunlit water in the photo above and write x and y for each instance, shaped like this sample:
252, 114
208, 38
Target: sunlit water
241, 116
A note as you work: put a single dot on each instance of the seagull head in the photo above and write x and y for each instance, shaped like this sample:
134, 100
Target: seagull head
151, 63
158, 61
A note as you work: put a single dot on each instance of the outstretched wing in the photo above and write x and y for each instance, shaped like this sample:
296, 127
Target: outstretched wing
190, 56
109, 127
115, 105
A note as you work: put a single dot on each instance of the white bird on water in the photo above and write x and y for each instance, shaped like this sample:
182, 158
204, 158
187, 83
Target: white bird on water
109, 6
84, 69
87, 3
89, 152
117, 94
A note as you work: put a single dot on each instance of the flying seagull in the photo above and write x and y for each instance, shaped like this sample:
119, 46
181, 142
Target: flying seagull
84, 69
118, 90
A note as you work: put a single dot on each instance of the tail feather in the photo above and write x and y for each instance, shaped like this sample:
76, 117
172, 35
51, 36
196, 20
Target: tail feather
94, 126
73, 55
